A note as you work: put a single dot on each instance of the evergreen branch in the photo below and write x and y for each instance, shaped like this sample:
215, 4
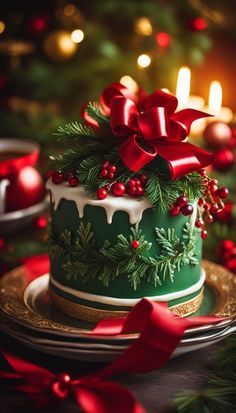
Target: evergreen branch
93, 109
226, 356
163, 192
82, 260
75, 131
88, 169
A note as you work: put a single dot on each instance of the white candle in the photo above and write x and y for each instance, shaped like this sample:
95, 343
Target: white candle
183, 86
215, 108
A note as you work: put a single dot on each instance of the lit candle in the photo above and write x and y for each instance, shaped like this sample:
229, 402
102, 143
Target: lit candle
215, 108
185, 100
183, 86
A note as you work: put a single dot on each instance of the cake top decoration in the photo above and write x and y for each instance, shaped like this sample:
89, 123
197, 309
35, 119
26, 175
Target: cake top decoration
135, 145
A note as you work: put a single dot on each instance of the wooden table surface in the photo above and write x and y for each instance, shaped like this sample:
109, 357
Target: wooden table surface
154, 390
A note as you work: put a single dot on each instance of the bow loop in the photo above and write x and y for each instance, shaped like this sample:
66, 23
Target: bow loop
160, 98
124, 116
113, 91
153, 124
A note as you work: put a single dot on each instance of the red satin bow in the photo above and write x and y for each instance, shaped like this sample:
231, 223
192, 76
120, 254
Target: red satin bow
150, 128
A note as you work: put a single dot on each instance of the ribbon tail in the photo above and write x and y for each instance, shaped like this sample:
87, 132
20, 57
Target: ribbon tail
33, 374
183, 158
180, 123
105, 397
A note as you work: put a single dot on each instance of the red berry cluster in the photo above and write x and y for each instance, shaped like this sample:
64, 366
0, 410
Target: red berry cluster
227, 254
181, 205
58, 177
107, 170
134, 187
211, 204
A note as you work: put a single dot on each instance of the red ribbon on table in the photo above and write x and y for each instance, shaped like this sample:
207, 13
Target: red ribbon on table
160, 332
151, 128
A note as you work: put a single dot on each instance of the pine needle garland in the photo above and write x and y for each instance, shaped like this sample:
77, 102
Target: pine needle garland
82, 260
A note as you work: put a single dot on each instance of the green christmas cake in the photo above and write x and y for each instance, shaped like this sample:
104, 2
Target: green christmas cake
128, 202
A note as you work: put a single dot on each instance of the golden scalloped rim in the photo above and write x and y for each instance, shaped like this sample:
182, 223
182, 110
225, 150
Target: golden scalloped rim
94, 315
13, 284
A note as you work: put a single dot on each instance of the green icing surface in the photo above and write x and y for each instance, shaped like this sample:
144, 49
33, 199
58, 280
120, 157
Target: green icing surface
67, 217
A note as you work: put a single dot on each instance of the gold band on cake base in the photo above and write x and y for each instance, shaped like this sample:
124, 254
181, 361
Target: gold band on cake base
91, 314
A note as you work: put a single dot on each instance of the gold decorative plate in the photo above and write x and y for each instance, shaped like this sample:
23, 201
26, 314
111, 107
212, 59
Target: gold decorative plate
219, 299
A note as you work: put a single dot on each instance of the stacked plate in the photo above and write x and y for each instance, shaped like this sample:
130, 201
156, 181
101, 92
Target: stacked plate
28, 315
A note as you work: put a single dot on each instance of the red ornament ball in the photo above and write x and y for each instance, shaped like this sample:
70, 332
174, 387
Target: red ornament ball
101, 193
2, 243
57, 177
187, 210
197, 24
41, 222
224, 160
217, 134
118, 189
163, 39
231, 265
227, 245
73, 181
25, 190
135, 244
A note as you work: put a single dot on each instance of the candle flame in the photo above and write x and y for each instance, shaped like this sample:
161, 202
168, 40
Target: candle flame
215, 98
183, 86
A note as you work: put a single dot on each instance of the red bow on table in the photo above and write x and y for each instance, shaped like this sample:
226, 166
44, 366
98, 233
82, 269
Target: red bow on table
151, 128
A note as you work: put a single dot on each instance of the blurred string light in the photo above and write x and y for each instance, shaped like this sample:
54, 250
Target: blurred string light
130, 83
143, 26
77, 36
163, 39
2, 26
70, 9
144, 60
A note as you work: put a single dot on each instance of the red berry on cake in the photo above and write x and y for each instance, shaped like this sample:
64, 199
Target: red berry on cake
57, 177
139, 191
73, 181
135, 244
187, 210
112, 168
204, 234
181, 201
223, 192
118, 189
101, 193
174, 211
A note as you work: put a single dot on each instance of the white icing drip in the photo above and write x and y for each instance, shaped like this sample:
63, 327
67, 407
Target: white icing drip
111, 204
193, 217
129, 301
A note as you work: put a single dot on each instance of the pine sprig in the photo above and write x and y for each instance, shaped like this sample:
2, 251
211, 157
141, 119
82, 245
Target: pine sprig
75, 131
163, 192
93, 109
82, 260
226, 356
219, 393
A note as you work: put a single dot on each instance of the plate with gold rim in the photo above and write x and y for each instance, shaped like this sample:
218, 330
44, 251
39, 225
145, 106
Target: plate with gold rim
36, 311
